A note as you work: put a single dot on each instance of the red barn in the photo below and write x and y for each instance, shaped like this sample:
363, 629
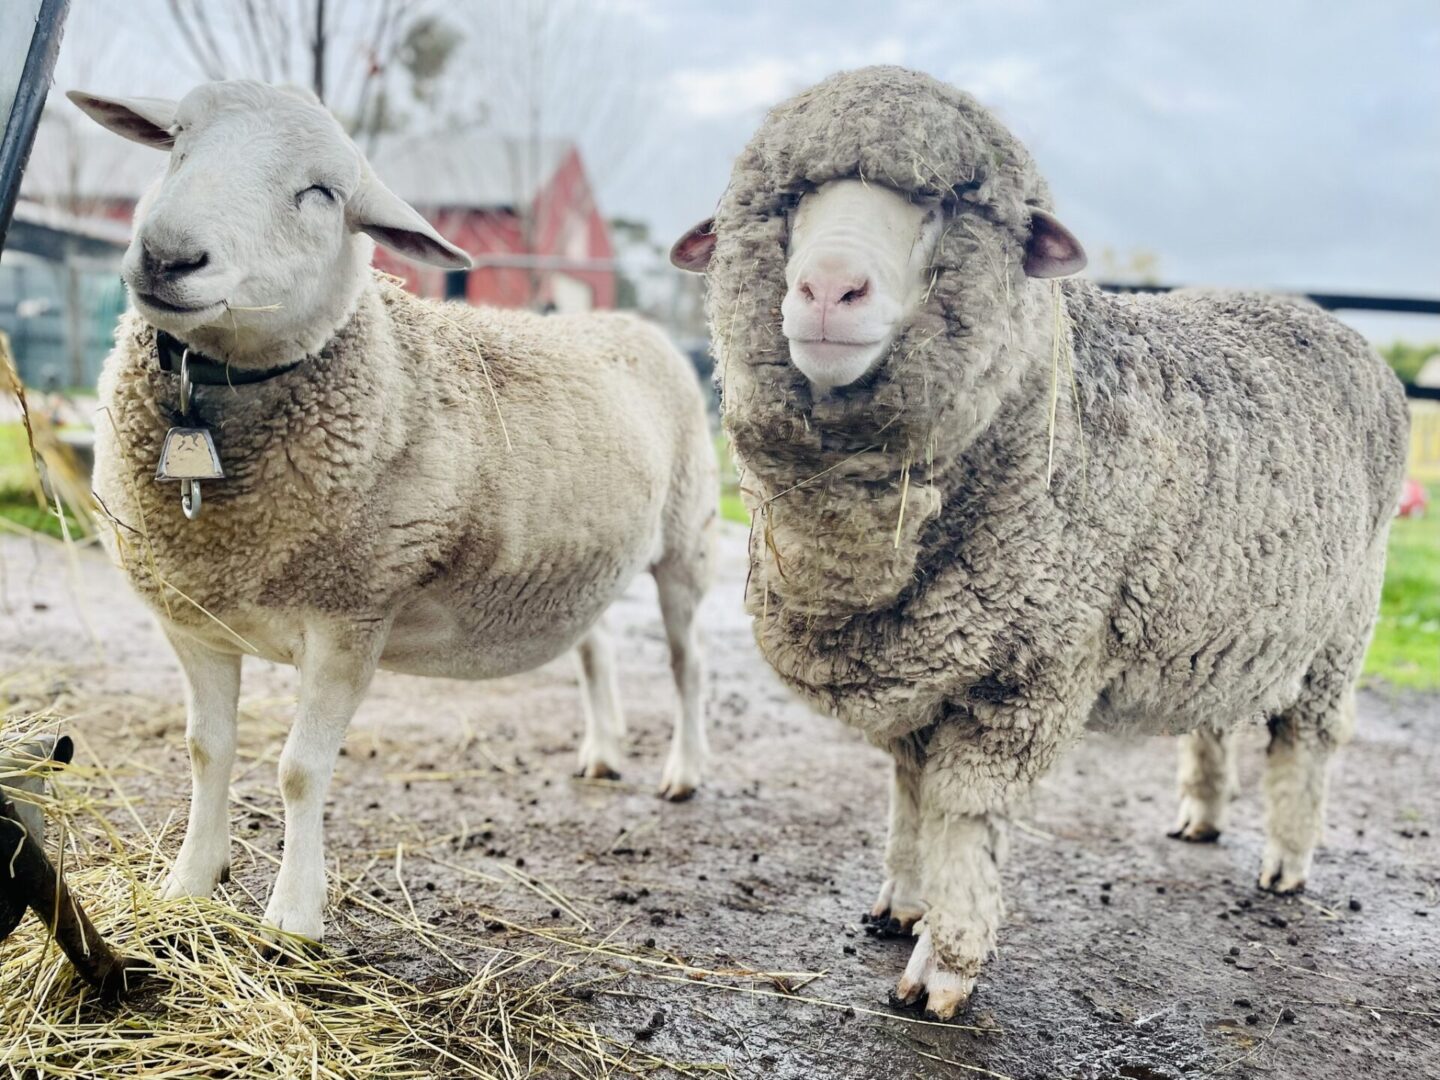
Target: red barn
484, 193
522, 207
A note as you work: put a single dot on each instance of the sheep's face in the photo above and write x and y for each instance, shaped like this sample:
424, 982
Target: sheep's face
858, 266
255, 229
854, 272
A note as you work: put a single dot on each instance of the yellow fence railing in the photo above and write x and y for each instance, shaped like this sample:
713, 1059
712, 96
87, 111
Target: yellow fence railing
1425, 440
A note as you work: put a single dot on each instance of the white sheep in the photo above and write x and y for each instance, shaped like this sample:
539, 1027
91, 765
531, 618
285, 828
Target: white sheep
424, 488
991, 510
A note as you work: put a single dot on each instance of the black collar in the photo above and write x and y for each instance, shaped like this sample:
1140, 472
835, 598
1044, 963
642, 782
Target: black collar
207, 372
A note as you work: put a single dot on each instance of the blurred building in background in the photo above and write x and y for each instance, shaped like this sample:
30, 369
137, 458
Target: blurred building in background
540, 244
60, 294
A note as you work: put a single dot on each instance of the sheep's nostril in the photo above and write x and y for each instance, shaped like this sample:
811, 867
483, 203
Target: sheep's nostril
807, 293
181, 267
170, 265
858, 293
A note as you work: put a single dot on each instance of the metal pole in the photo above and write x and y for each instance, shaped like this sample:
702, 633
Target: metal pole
29, 102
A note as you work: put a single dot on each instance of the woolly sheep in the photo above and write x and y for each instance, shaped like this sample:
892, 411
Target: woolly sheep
1204, 544
430, 489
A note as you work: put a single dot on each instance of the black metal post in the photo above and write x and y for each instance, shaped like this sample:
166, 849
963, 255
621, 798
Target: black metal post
24, 116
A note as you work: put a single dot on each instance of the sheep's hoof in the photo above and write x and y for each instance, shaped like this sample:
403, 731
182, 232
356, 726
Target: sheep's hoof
944, 991
1283, 873
887, 925
895, 912
681, 778
595, 758
279, 946
1199, 832
1277, 883
295, 916
183, 880
597, 770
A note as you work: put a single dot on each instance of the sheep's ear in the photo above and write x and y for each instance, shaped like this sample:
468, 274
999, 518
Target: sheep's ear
693, 250
140, 119
377, 211
1052, 250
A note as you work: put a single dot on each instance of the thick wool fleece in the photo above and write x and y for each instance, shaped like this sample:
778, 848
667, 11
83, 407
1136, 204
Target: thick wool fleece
514, 469
1225, 466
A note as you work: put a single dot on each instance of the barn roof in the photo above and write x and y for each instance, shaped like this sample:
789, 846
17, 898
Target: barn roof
467, 168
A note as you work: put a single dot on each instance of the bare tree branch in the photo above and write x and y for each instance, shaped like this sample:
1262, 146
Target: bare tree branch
376, 62
202, 24
211, 65
259, 47
318, 44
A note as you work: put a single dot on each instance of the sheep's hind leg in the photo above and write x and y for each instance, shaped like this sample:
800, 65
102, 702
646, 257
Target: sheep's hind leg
212, 694
1296, 763
1302, 739
681, 584
1207, 784
899, 905
600, 750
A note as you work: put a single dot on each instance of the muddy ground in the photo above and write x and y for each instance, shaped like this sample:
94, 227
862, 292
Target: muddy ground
1126, 954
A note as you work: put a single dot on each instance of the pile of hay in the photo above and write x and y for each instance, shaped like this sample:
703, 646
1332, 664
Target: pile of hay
222, 1004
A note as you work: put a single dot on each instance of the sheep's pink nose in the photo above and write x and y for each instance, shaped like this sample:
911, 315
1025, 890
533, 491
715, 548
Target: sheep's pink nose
827, 294
828, 291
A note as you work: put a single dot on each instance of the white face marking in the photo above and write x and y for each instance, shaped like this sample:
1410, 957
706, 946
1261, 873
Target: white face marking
856, 270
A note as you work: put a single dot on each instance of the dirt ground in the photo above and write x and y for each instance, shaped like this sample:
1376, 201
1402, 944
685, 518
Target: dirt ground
1126, 954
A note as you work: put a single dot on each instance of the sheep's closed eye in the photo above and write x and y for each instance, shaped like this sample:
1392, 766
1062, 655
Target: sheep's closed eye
315, 189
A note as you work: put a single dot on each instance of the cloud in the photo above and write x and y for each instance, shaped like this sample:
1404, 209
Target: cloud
1003, 78
761, 81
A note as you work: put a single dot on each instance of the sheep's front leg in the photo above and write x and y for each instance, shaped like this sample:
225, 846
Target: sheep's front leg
978, 764
681, 584
899, 905
963, 856
212, 694
335, 671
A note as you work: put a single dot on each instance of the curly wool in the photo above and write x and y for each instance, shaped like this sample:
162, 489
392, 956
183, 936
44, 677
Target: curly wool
1224, 466
921, 406
492, 456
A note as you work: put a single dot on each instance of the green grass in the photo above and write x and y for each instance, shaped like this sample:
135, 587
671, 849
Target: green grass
1406, 648
17, 490
14, 459
732, 507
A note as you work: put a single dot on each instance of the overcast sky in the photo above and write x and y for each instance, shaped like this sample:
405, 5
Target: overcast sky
1272, 143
